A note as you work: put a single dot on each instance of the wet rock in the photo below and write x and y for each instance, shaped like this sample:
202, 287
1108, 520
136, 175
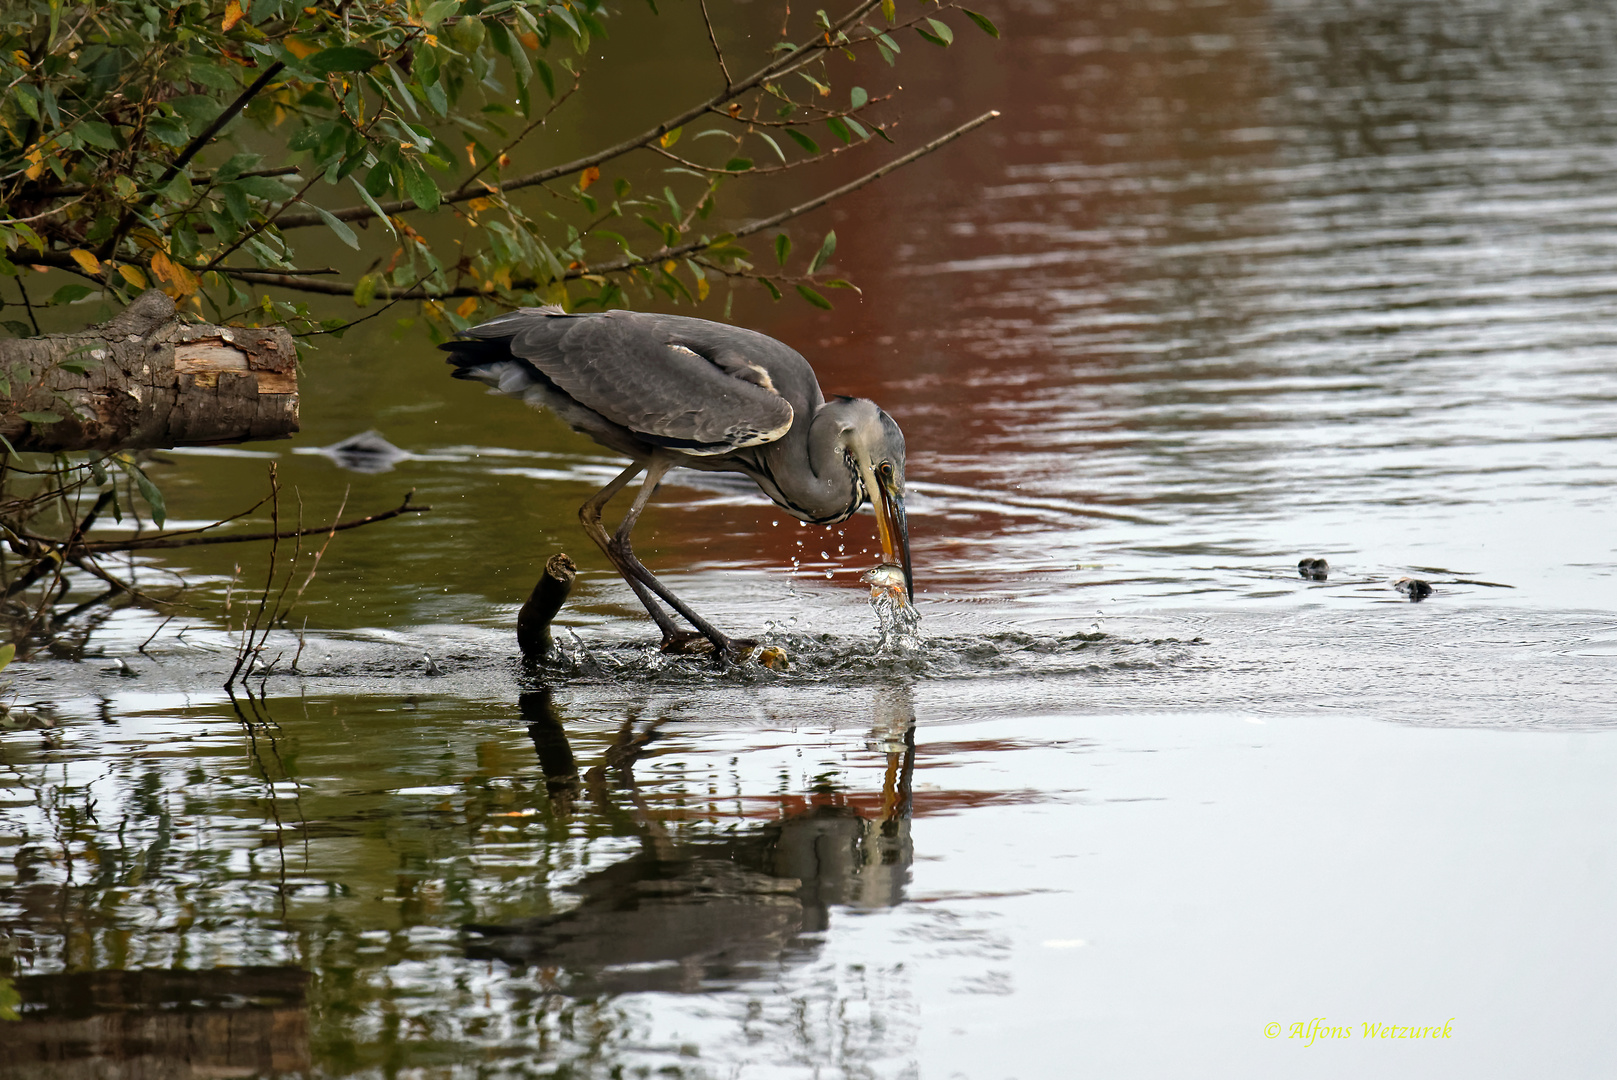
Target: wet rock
1313, 569
1414, 588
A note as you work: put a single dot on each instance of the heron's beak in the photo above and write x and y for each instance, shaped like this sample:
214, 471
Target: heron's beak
892, 527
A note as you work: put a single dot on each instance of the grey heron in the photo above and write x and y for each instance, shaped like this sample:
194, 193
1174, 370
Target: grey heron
673, 391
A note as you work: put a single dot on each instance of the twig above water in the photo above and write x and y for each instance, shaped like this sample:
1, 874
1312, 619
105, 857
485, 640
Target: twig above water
154, 542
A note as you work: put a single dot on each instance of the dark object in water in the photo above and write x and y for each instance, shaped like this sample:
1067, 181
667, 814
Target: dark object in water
366, 452
1313, 569
1414, 588
533, 621
692, 643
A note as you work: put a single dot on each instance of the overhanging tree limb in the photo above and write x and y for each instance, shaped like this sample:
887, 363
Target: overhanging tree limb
341, 288
781, 66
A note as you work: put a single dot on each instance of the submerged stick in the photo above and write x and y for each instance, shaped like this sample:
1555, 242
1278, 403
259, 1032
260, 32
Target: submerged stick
533, 621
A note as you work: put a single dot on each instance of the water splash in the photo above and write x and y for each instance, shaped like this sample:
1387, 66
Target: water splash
898, 623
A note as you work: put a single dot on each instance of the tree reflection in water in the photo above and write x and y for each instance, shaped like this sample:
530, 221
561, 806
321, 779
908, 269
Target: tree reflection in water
691, 916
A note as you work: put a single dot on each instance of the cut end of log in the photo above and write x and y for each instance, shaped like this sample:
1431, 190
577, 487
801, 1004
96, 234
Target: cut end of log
144, 380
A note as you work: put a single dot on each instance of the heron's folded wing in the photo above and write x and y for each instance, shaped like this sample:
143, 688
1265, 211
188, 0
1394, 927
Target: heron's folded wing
668, 394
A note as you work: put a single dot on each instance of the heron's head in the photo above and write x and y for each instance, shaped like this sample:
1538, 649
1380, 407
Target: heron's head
873, 447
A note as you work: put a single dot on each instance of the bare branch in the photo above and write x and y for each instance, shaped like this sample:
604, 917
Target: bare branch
719, 53
151, 542
800, 209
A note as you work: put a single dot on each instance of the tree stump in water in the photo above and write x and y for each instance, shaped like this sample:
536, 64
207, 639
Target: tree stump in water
145, 379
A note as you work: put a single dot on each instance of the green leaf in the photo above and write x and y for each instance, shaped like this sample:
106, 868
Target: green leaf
375, 208
839, 129
843, 283
858, 97
438, 12
264, 187
237, 164
41, 417
8, 653
67, 294
813, 297
97, 134
982, 22
341, 58
803, 140
783, 248
773, 145
419, 186
344, 233
828, 246
738, 164
168, 130
940, 34
153, 497
770, 285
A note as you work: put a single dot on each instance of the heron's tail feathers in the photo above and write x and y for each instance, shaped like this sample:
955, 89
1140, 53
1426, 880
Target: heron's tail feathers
490, 362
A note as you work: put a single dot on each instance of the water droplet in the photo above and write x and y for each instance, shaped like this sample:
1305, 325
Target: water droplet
775, 523
825, 554
828, 573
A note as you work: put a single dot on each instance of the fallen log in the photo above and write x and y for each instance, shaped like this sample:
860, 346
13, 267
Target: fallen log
145, 379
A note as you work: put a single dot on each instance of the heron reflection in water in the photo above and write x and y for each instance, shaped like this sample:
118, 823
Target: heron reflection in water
684, 916
671, 391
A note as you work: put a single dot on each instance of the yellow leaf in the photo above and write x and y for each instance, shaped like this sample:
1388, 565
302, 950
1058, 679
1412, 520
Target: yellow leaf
181, 281
432, 39
300, 48
670, 266
22, 59
471, 152
589, 177
232, 16
467, 307
702, 288
88, 262
133, 275
530, 41
477, 206
37, 166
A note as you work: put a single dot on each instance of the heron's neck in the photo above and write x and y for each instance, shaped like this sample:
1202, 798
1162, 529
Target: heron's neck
810, 473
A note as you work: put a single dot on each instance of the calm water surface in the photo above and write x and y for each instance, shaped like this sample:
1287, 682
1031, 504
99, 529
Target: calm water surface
1229, 284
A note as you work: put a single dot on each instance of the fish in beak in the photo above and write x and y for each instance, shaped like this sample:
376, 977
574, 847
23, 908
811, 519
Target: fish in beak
892, 526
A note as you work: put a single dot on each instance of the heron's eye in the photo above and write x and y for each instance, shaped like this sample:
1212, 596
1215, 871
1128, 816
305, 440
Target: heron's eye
887, 470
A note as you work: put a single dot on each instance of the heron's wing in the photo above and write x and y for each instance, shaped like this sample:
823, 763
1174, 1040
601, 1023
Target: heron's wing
625, 366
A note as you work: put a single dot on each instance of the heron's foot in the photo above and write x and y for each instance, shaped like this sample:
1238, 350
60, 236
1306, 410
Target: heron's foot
695, 643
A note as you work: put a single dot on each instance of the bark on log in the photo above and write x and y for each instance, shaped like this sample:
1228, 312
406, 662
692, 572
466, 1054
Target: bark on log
150, 381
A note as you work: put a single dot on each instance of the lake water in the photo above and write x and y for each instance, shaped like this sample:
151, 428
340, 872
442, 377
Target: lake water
1228, 285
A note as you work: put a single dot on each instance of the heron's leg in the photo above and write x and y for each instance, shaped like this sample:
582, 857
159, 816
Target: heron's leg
589, 515
656, 468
